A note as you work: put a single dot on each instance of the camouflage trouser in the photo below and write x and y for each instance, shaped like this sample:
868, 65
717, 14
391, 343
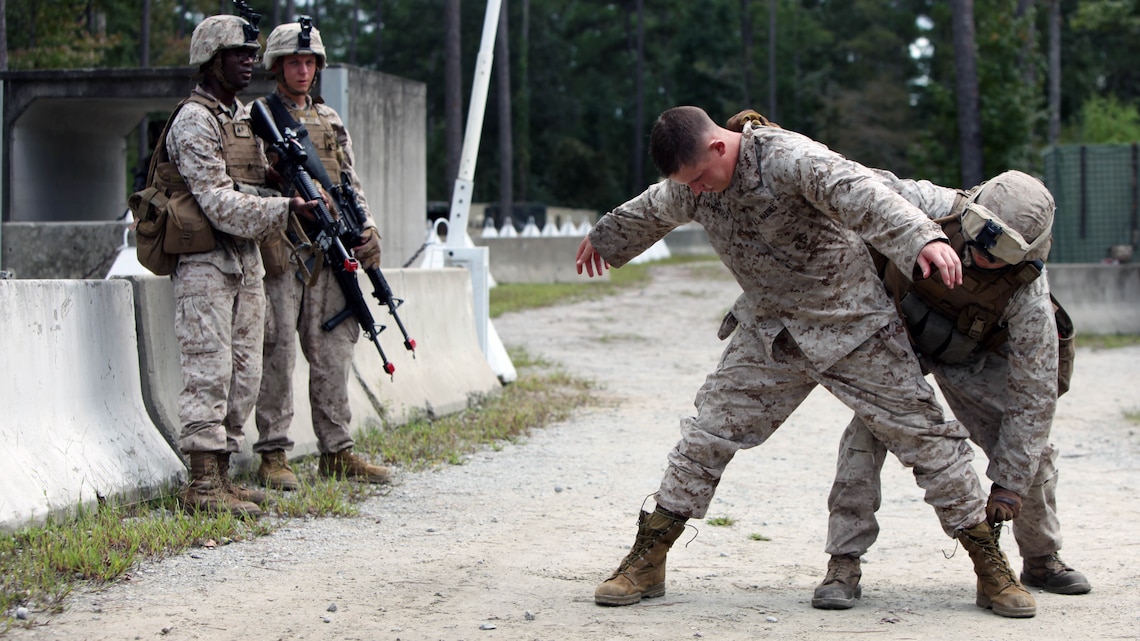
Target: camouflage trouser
751, 394
856, 495
294, 307
219, 323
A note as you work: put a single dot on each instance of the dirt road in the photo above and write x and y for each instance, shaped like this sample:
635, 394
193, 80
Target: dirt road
510, 545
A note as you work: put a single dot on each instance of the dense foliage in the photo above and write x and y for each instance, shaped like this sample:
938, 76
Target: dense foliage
874, 79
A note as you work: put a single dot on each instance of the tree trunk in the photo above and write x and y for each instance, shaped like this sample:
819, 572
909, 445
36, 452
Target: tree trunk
353, 32
452, 91
506, 147
1029, 46
969, 104
773, 111
522, 107
637, 176
746, 45
3, 36
378, 43
144, 61
1054, 72
144, 35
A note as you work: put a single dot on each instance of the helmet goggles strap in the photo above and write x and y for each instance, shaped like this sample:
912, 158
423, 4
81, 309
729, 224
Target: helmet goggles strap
989, 235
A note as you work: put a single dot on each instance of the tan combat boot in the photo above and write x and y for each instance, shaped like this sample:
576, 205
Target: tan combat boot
238, 491
641, 574
275, 472
206, 492
346, 465
1052, 574
998, 588
841, 586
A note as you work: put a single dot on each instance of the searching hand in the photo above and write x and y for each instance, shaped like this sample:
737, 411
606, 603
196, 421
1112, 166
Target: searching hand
941, 256
1004, 505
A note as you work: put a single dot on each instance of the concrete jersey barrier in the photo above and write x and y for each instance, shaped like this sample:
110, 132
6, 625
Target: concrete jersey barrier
448, 368
91, 377
73, 426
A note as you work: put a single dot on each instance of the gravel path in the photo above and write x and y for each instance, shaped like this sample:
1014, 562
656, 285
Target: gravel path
511, 544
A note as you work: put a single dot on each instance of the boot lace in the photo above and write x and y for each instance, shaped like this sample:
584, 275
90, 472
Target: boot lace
992, 551
643, 544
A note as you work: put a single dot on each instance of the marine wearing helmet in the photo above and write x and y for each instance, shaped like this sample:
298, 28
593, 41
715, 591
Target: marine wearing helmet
299, 37
1009, 219
218, 33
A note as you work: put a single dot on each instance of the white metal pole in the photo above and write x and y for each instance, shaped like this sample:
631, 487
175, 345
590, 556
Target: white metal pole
464, 182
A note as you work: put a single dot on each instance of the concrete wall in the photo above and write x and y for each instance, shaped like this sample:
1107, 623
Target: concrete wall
1101, 299
535, 260
91, 377
65, 159
386, 117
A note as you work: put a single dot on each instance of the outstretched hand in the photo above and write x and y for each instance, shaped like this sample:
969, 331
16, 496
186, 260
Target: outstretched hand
589, 258
941, 256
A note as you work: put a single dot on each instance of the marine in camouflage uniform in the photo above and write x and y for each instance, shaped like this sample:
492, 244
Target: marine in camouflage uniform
220, 303
996, 362
790, 218
294, 56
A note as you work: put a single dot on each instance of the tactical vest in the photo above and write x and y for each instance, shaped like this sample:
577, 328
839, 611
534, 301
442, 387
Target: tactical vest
244, 162
953, 325
324, 139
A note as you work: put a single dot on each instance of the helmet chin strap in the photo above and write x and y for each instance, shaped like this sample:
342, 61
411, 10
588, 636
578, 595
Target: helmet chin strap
218, 75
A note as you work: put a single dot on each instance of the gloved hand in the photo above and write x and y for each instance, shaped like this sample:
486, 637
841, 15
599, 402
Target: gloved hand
1004, 505
368, 252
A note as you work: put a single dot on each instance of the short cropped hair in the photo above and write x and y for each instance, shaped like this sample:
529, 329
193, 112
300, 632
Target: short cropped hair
677, 138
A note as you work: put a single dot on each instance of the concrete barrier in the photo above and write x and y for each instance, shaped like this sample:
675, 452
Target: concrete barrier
448, 368
541, 259
1101, 299
74, 427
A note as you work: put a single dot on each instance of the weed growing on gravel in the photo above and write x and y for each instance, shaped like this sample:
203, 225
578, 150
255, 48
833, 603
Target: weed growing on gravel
720, 521
756, 536
541, 395
42, 564
519, 296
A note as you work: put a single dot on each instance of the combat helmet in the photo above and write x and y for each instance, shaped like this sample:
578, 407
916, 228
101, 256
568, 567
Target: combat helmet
1010, 218
218, 33
292, 38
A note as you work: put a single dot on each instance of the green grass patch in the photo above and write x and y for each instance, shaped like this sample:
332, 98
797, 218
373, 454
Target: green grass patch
520, 296
721, 521
756, 536
40, 565
1107, 341
1133, 417
537, 398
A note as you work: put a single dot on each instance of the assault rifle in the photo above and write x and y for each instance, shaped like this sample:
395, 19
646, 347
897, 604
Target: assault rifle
352, 214
330, 230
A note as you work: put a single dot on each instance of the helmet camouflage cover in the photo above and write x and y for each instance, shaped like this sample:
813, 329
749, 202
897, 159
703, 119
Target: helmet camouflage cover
1011, 215
293, 38
218, 33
